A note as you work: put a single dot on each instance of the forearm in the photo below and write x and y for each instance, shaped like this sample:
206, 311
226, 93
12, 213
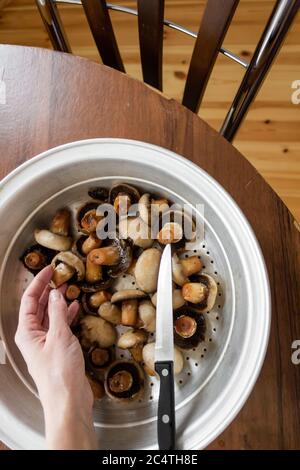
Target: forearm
68, 425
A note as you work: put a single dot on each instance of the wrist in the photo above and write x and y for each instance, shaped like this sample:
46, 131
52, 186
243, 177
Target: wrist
68, 423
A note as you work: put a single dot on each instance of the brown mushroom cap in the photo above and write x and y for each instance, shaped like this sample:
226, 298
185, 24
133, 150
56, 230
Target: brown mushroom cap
124, 381
209, 287
96, 330
131, 338
125, 189
136, 230
149, 359
52, 240
71, 261
146, 270
191, 325
61, 222
127, 294
36, 258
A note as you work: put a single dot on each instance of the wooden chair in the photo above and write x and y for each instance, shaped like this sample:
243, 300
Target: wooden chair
208, 44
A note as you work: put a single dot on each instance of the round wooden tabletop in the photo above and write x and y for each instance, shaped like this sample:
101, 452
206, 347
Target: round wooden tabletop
53, 98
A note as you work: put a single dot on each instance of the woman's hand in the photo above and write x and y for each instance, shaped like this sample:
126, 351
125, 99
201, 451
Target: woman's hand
54, 359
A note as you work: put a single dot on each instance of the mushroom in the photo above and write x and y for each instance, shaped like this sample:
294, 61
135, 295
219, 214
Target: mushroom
147, 315
189, 327
178, 274
98, 193
149, 359
177, 299
190, 265
66, 266
61, 222
87, 218
124, 381
122, 196
184, 219
136, 230
148, 206
110, 312
99, 359
96, 330
170, 233
129, 304
194, 292
96, 386
85, 244
146, 269
117, 255
52, 240
91, 301
133, 340
201, 284
36, 258
73, 292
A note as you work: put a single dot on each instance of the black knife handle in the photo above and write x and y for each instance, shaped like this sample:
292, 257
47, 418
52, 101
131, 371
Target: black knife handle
166, 428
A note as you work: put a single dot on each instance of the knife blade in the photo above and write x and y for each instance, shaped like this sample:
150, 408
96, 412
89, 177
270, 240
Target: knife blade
164, 354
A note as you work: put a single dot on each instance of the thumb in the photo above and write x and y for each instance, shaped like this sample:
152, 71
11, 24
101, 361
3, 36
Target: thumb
57, 311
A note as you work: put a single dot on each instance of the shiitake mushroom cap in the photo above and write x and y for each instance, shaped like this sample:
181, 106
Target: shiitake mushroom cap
138, 379
46, 253
198, 336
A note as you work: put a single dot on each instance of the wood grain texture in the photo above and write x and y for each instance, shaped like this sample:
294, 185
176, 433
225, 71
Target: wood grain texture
62, 98
269, 137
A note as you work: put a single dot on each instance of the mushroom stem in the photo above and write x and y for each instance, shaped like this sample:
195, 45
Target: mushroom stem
72, 292
98, 298
185, 326
35, 260
194, 292
107, 256
170, 233
93, 272
61, 222
91, 243
129, 312
121, 381
61, 274
191, 265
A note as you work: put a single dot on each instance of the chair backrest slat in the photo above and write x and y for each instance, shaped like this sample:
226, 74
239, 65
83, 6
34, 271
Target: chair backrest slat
214, 25
150, 22
101, 27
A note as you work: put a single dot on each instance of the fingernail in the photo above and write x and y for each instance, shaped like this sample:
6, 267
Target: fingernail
55, 295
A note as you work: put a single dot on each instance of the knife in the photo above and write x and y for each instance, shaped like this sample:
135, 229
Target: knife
164, 354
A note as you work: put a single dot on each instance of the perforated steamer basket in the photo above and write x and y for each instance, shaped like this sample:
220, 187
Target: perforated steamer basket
219, 375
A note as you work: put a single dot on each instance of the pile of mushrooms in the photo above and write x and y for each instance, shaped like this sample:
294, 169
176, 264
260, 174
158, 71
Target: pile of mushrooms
115, 282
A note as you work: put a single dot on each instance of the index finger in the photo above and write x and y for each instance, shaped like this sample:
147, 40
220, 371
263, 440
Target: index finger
32, 294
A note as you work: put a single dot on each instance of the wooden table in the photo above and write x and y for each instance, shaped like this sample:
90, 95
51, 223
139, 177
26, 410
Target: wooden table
53, 98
